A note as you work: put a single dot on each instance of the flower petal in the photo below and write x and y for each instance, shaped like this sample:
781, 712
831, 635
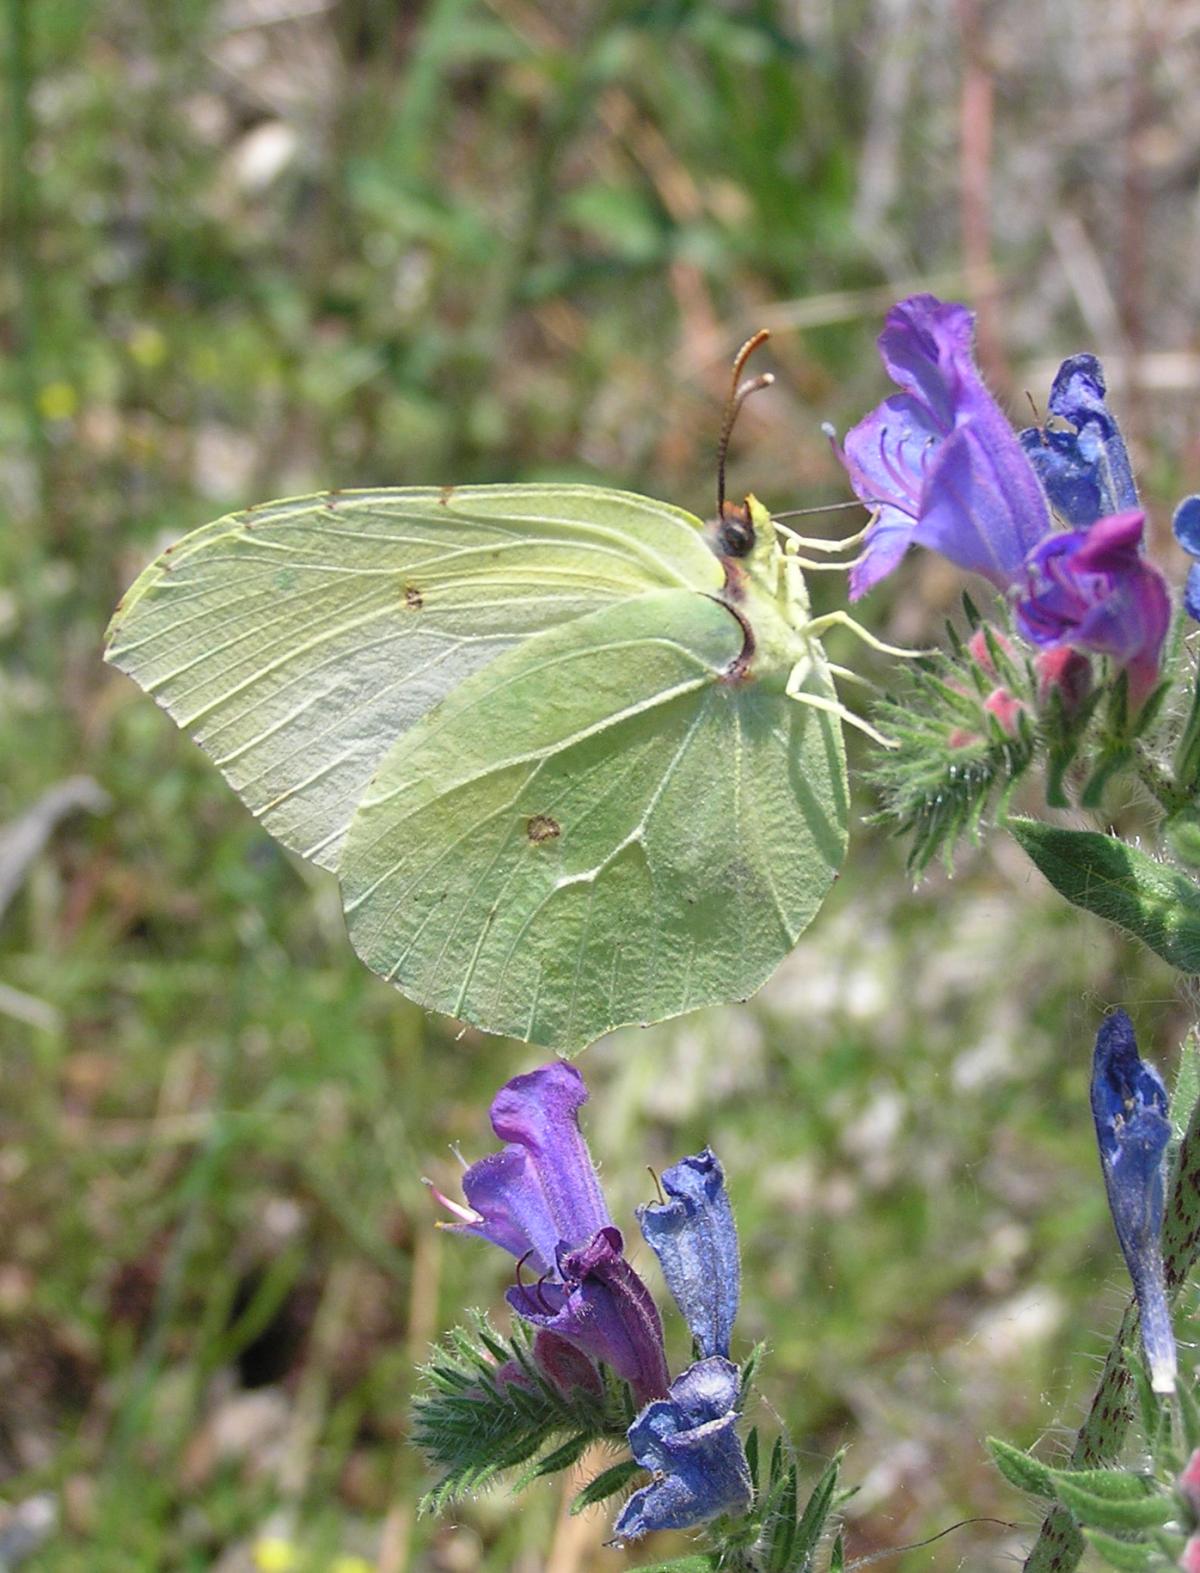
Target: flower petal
539, 1114
1131, 1113
1086, 472
940, 464
694, 1237
690, 1440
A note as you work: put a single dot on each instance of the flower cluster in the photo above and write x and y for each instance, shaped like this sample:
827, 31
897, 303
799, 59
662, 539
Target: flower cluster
539, 1199
940, 466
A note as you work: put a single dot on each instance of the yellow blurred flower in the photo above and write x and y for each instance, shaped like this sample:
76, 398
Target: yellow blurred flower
147, 346
273, 1554
351, 1565
58, 401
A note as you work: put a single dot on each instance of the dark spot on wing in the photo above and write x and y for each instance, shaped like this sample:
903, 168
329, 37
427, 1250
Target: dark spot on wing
413, 598
542, 828
445, 495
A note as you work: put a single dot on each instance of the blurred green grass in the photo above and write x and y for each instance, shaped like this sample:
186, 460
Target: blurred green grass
262, 246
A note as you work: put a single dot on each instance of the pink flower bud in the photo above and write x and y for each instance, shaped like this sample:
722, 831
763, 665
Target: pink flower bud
1188, 1486
1067, 671
1190, 1560
977, 645
1005, 708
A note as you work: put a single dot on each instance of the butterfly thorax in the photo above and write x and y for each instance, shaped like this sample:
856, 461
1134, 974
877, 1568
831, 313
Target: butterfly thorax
764, 590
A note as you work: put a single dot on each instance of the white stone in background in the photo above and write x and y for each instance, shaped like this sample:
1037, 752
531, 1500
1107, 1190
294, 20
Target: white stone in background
223, 462
261, 156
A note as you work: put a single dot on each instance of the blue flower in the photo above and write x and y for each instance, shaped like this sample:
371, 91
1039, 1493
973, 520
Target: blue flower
1085, 472
690, 1442
1130, 1108
694, 1238
539, 1198
1186, 525
938, 463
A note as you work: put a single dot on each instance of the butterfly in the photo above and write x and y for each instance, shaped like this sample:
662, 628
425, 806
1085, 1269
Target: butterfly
574, 756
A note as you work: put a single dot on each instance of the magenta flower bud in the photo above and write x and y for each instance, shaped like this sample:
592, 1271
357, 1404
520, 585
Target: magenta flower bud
1066, 672
1007, 710
1188, 1484
1190, 1560
980, 653
1093, 590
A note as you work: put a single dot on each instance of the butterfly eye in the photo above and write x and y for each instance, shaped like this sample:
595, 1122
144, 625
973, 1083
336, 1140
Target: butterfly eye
733, 533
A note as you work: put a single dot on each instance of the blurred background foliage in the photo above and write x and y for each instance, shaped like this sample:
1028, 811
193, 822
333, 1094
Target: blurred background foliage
255, 247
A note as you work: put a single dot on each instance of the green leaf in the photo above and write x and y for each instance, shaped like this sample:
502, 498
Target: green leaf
816, 1512
837, 1557
782, 1522
571, 1451
1020, 1470
1189, 1414
606, 1484
1117, 882
1096, 1512
1127, 1555
1114, 1485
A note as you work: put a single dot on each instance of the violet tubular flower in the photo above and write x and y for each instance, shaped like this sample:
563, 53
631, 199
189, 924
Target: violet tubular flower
690, 1441
1133, 1128
1093, 590
600, 1305
1086, 472
694, 1237
539, 1198
938, 462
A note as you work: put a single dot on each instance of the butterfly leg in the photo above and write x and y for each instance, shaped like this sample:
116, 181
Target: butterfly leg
840, 619
795, 690
819, 543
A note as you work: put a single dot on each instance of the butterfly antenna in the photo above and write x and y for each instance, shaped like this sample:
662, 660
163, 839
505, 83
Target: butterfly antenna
739, 392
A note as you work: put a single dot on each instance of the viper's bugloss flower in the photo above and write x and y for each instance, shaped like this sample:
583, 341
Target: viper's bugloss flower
1186, 525
541, 1190
1092, 590
539, 1198
938, 463
690, 1441
694, 1237
600, 1305
1133, 1128
1085, 472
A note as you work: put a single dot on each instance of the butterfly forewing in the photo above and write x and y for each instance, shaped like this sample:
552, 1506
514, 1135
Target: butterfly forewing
297, 641
604, 826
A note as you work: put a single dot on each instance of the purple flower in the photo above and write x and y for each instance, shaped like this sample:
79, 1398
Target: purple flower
539, 1198
600, 1305
1130, 1108
694, 1238
1093, 590
541, 1190
938, 463
1186, 525
690, 1441
1085, 472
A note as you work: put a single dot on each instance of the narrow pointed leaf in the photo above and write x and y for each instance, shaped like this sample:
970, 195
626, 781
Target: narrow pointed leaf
1119, 883
1020, 1470
606, 1484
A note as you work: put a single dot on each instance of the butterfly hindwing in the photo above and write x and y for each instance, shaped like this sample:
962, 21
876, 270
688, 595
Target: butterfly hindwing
605, 825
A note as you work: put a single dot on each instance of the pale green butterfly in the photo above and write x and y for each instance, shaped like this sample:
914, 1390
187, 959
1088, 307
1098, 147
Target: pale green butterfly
575, 757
